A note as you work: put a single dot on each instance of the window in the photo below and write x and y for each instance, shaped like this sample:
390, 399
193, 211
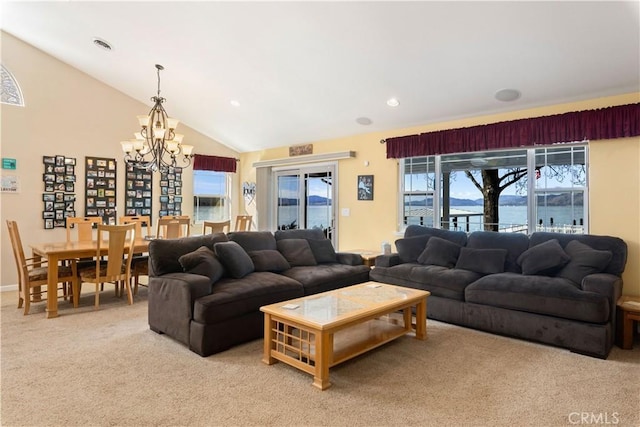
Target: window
524, 190
417, 189
210, 196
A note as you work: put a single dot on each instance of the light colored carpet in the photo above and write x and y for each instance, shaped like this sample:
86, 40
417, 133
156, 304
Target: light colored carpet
106, 367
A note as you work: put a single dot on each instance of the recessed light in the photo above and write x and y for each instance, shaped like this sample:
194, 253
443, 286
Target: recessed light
234, 103
102, 44
393, 102
507, 95
365, 121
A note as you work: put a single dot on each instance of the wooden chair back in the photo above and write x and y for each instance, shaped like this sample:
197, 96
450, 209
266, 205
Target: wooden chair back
243, 223
32, 272
119, 241
140, 222
216, 226
173, 228
84, 227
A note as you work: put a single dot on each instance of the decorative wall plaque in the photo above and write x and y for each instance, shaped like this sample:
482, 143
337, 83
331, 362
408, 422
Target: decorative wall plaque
170, 191
100, 184
138, 196
59, 190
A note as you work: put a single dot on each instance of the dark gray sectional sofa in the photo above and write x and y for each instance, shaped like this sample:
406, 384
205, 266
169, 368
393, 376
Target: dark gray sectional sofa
558, 289
206, 291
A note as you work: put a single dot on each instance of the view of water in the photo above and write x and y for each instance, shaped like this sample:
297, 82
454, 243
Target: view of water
319, 216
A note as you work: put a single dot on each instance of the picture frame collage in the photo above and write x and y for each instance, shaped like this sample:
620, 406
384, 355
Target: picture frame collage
59, 197
138, 196
100, 188
170, 191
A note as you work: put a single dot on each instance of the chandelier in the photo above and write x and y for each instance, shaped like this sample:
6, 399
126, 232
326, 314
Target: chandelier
157, 146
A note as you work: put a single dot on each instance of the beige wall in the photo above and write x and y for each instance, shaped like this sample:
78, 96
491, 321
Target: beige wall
68, 113
614, 182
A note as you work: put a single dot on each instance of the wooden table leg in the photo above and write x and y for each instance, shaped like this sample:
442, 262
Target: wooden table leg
52, 287
627, 329
324, 348
269, 335
421, 320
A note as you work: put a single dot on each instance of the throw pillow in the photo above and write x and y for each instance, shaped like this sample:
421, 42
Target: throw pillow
410, 248
269, 260
297, 252
204, 262
440, 252
323, 250
234, 258
544, 259
483, 261
584, 261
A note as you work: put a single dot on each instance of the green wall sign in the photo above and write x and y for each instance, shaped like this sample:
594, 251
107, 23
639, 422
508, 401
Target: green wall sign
8, 163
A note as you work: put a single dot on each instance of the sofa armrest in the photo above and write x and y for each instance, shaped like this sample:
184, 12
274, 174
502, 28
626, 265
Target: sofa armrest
605, 284
171, 299
387, 260
349, 258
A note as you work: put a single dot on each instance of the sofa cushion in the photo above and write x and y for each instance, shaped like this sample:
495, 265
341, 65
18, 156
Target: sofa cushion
483, 261
253, 240
552, 296
269, 260
232, 298
440, 252
296, 251
410, 248
326, 277
323, 250
459, 237
546, 258
234, 258
617, 246
164, 253
300, 233
202, 261
514, 243
584, 261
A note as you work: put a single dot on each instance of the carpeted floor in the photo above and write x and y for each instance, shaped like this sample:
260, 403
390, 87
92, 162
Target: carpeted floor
106, 367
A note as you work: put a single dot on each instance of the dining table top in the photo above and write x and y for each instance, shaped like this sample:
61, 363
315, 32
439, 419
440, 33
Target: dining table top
73, 247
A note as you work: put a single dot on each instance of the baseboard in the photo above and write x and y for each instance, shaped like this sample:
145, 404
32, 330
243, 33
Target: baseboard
7, 288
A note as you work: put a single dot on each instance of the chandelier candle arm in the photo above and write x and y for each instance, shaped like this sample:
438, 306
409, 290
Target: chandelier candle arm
157, 145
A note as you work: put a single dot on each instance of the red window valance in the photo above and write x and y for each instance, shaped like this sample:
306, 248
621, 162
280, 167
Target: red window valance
214, 163
605, 123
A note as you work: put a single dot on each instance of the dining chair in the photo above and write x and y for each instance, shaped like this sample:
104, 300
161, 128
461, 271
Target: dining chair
243, 222
84, 227
32, 273
139, 262
216, 226
119, 240
173, 228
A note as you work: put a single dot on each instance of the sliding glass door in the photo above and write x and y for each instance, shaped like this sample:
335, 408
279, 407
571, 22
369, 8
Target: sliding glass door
304, 199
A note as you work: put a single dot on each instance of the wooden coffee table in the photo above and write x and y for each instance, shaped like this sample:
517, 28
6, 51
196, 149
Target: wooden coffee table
317, 332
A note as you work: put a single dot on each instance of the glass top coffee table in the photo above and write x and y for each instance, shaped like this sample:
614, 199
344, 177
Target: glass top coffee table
317, 332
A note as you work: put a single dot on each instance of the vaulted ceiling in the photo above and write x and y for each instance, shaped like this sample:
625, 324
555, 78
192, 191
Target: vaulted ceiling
306, 71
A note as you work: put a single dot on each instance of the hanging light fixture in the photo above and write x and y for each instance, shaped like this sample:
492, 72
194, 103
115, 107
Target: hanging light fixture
157, 145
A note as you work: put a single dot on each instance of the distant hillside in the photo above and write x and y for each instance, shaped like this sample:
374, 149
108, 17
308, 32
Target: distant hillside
313, 201
563, 199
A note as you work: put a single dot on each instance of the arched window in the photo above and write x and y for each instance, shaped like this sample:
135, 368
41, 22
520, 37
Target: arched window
11, 93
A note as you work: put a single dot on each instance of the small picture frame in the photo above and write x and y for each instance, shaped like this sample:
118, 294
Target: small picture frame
365, 187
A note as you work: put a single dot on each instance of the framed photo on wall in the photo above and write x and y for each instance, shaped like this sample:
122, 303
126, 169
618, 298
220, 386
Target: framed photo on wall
365, 187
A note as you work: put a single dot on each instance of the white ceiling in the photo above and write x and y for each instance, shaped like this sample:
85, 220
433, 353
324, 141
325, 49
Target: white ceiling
305, 71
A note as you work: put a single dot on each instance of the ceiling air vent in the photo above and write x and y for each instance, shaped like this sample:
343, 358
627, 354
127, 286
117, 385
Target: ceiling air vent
102, 44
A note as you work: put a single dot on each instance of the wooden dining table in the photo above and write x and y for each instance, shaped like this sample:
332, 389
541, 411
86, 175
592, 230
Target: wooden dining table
54, 252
